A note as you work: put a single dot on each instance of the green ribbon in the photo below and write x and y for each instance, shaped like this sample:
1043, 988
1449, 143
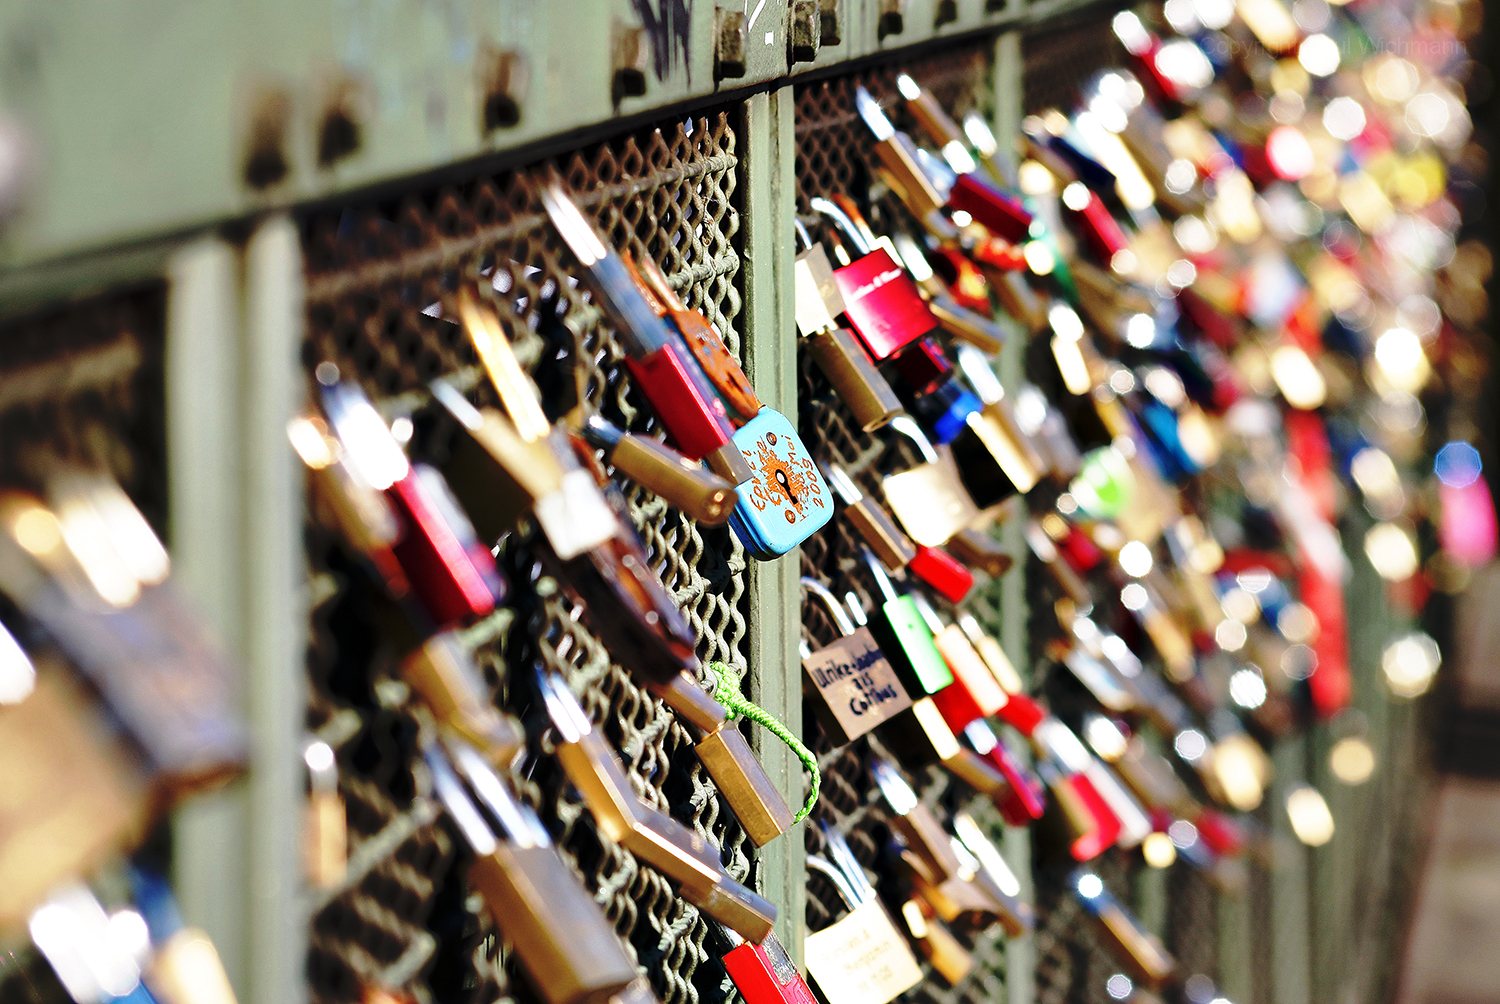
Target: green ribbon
726, 690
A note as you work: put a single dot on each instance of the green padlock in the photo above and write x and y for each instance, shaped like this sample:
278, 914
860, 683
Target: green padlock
905, 638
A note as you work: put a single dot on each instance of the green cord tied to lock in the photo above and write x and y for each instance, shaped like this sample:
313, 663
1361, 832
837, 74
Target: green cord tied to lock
726, 690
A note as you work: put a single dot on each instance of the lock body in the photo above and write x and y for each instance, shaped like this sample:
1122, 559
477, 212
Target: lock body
566, 945
930, 501
904, 637
861, 958
441, 557
856, 687
883, 304
450, 686
854, 377
786, 499
764, 974
740, 777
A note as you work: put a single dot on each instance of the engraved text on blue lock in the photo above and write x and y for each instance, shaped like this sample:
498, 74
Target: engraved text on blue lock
787, 500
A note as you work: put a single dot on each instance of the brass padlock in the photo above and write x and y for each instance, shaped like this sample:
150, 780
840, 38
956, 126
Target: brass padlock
444, 677
691, 487
890, 545
73, 796
948, 957
649, 834
934, 869
1138, 949
565, 944
835, 349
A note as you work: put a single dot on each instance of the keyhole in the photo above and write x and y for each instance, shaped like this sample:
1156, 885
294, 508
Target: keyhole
786, 485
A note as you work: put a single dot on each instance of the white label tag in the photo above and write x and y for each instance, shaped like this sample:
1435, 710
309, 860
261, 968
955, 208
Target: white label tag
861, 959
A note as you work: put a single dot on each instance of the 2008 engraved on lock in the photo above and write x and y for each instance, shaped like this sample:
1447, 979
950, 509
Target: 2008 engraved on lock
858, 687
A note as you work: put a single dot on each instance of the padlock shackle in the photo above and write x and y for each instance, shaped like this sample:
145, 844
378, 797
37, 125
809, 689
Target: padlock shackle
877, 570
893, 786
856, 608
804, 239
562, 706
845, 225
839, 848
516, 820
975, 366
835, 875
929, 616
491, 342
831, 602
460, 808
842, 484
908, 427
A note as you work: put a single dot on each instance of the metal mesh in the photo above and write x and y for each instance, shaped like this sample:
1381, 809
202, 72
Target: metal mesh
406, 918
834, 154
83, 385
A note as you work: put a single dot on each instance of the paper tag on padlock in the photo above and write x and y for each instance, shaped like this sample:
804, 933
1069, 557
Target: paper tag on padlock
857, 686
786, 500
861, 958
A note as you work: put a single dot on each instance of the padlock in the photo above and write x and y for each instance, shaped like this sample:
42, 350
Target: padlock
993, 655
857, 688
1026, 800
703, 341
905, 638
451, 687
1058, 742
934, 868
1135, 947
881, 302
974, 692
74, 796
996, 428
786, 500
666, 373
929, 500
536, 458
869, 520
980, 551
958, 320
861, 958
971, 842
451, 575
1092, 221
651, 835
920, 738
899, 157
97, 582
948, 958
325, 833
698, 492
764, 973
565, 944
836, 350
943, 572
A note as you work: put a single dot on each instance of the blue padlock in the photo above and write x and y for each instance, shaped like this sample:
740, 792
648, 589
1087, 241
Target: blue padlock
786, 500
